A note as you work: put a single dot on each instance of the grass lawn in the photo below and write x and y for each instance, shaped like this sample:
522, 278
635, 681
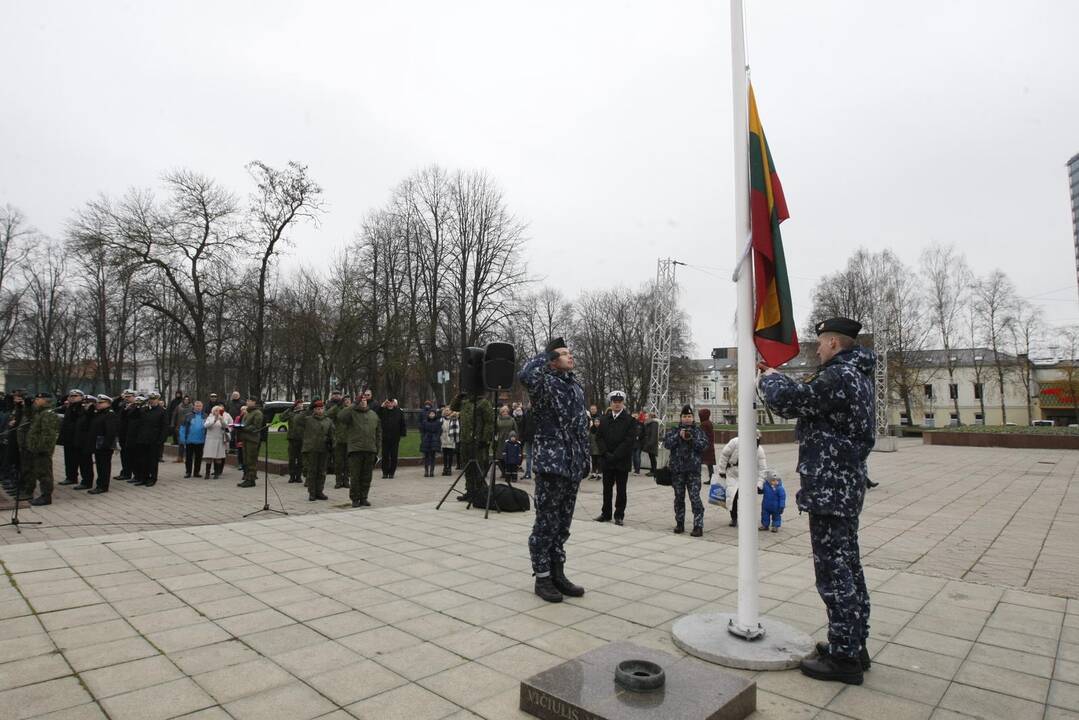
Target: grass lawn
410, 445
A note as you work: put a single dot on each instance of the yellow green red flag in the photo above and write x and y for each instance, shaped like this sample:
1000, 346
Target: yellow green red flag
773, 330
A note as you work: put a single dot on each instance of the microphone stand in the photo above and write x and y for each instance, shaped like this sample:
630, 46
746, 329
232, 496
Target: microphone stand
265, 480
18, 489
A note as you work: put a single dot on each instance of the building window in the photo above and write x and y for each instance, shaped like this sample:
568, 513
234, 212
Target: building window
705, 388
928, 391
979, 419
977, 391
726, 393
954, 418
953, 391
904, 419
683, 397
930, 420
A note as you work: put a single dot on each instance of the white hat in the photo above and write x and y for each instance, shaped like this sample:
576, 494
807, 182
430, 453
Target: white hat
104, 398
91, 398
78, 392
619, 394
154, 394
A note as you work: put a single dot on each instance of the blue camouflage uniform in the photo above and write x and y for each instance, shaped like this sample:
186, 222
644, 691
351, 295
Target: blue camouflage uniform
685, 467
561, 456
835, 432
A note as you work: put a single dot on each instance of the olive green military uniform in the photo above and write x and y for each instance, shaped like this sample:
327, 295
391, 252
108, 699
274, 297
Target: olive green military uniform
362, 435
317, 440
251, 434
340, 446
295, 419
40, 442
476, 436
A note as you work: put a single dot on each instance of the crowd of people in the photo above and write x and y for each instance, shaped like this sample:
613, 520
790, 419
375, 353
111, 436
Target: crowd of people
338, 437
556, 436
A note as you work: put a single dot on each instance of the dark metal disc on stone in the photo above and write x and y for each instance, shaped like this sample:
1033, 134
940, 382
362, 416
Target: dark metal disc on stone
586, 688
639, 675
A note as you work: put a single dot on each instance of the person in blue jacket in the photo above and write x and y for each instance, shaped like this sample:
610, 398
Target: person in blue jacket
775, 500
562, 458
836, 430
686, 443
193, 438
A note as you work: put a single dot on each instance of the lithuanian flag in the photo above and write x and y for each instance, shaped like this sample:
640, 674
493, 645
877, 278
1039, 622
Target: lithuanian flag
773, 330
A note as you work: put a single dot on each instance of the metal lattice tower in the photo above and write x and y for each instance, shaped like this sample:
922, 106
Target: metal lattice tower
664, 303
880, 344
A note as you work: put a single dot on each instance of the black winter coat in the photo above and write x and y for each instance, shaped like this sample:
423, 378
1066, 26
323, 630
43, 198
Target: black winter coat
103, 430
69, 425
393, 425
132, 419
616, 437
153, 426
84, 438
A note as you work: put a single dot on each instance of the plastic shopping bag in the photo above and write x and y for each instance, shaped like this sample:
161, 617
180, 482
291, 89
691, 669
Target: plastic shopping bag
717, 495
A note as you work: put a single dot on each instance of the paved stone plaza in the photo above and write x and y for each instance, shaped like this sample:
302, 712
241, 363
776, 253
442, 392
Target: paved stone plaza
404, 611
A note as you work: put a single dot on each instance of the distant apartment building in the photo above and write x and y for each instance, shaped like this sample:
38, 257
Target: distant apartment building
970, 395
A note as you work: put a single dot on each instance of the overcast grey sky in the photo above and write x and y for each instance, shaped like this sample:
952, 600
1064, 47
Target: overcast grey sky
606, 123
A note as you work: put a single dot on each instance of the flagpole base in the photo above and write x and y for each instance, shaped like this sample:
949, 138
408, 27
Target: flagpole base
713, 637
746, 632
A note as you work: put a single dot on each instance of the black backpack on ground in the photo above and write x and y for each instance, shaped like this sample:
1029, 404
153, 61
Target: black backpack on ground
504, 498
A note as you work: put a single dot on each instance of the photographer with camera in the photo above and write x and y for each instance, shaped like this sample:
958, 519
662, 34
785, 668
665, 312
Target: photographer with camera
686, 443
562, 460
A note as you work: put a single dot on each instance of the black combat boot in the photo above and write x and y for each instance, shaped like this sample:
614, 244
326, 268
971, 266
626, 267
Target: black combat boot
47, 500
545, 589
697, 532
562, 583
679, 529
246, 483
863, 656
835, 669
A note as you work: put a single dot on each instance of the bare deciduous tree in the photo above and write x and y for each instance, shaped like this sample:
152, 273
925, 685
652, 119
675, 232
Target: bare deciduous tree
282, 197
945, 276
15, 236
994, 301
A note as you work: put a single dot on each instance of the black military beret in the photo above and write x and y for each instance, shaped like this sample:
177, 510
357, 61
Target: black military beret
687, 410
555, 343
841, 325
43, 395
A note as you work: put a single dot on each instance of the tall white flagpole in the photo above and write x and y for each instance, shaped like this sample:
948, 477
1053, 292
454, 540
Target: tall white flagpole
747, 624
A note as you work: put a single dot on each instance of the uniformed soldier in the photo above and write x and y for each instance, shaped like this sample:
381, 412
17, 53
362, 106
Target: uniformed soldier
295, 440
316, 445
152, 429
686, 443
124, 409
477, 421
251, 434
103, 432
41, 438
68, 427
332, 407
363, 437
835, 431
340, 443
561, 460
